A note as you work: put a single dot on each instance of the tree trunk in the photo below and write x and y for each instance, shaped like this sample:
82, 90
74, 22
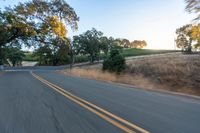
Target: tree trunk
13, 63
72, 61
71, 55
189, 50
1, 55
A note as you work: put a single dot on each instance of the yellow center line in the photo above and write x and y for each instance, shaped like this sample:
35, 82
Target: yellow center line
85, 104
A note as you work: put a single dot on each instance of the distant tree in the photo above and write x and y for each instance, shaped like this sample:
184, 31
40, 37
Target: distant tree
115, 62
125, 43
193, 6
44, 55
118, 42
105, 44
184, 38
182, 42
138, 44
88, 43
15, 55
114, 44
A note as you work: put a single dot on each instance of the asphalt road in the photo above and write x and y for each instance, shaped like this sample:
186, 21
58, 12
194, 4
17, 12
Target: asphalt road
29, 106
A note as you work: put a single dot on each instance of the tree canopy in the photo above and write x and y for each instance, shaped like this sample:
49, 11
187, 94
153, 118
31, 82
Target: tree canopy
38, 23
138, 44
88, 43
188, 37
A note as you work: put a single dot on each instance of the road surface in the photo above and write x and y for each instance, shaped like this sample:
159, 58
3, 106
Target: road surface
48, 102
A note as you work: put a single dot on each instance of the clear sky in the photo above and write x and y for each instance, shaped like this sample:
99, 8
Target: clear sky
152, 20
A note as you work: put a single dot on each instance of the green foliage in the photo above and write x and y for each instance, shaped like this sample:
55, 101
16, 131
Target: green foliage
15, 55
53, 54
184, 38
42, 10
28, 56
105, 44
44, 55
88, 43
80, 58
13, 28
61, 55
38, 23
115, 62
125, 53
188, 37
125, 43
182, 42
50, 19
94, 45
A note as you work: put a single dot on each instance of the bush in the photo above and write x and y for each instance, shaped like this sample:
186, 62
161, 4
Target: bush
115, 62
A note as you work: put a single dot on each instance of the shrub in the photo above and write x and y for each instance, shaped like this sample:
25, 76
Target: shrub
115, 62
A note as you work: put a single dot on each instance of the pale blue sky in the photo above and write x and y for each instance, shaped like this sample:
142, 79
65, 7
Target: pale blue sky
152, 20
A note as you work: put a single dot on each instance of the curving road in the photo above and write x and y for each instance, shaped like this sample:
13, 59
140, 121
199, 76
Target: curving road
42, 103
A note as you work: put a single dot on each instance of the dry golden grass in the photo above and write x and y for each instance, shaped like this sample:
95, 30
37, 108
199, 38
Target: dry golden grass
179, 73
97, 73
90, 71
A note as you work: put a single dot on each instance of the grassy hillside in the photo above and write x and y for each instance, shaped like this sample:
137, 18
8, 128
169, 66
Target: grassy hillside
138, 52
174, 72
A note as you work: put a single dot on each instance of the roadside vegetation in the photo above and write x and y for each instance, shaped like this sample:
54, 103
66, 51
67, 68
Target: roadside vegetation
29, 56
115, 62
172, 72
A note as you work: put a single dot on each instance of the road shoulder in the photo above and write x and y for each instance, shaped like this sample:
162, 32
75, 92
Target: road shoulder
138, 88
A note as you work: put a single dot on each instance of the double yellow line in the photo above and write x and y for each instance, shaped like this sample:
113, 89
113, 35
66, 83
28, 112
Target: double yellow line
108, 116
